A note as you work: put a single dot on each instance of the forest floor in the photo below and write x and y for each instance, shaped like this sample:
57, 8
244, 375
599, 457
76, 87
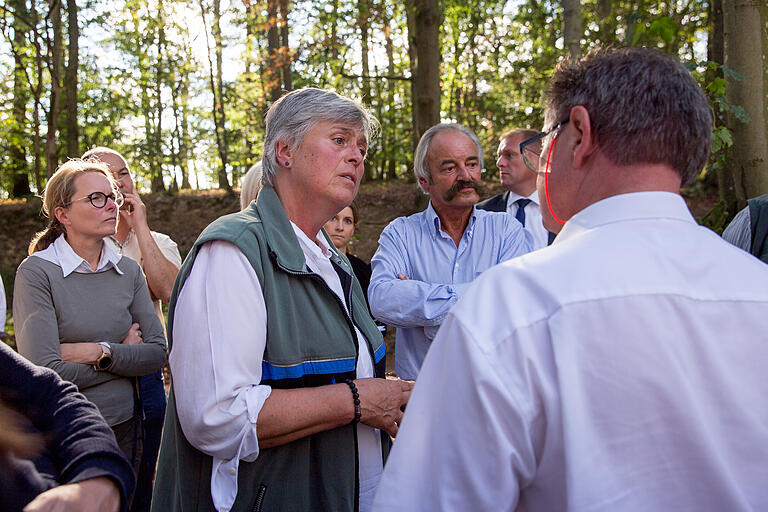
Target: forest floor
183, 217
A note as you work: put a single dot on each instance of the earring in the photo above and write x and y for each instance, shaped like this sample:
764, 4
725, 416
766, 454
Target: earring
287, 163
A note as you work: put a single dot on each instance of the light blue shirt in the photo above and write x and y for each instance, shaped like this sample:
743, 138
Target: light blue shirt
438, 273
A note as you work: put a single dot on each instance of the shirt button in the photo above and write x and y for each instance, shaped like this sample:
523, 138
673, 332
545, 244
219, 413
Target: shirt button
232, 471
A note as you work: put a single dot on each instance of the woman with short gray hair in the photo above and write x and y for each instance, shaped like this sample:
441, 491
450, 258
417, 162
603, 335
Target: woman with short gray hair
279, 400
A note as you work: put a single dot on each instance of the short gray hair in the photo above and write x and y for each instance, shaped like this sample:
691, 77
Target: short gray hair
291, 117
644, 107
420, 161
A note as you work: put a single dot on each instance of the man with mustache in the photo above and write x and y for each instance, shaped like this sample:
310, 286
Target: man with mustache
425, 261
159, 258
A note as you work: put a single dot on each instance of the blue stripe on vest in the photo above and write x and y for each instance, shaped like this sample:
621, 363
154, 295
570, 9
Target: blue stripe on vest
272, 372
380, 352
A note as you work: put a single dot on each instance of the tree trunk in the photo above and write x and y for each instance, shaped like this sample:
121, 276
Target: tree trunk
364, 15
424, 20
37, 92
251, 57
716, 53
285, 49
743, 53
389, 129
272, 74
70, 81
605, 33
156, 183
51, 154
18, 138
186, 140
572, 28
221, 123
764, 24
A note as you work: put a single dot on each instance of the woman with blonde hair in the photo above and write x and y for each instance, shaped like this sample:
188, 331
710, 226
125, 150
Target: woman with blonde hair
82, 310
250, 185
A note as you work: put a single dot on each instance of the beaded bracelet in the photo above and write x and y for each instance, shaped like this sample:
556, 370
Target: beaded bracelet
355, 399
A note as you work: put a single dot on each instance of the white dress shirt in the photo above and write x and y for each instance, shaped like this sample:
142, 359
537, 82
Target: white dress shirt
621, 368
219, 337
533, 222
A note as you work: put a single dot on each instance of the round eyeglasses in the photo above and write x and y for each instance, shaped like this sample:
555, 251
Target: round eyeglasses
99, 199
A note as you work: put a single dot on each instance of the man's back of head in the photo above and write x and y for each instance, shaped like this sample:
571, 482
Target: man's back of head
625, 120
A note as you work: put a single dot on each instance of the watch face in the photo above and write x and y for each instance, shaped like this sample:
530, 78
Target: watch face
104, 361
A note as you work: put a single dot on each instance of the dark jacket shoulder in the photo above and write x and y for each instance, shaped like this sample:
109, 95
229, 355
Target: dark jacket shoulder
497, 203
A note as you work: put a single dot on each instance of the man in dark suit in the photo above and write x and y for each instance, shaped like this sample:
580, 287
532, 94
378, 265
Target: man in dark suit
521, 198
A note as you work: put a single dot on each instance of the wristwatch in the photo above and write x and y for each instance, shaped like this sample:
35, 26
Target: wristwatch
105, 359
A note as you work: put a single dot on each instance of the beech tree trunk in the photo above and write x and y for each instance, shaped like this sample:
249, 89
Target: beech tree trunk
743, 53
70, 81
364, 15
51, 153
716, 53
424, 20
572, 28
156, 183
285, 49
17, 147
220, 119
272, 71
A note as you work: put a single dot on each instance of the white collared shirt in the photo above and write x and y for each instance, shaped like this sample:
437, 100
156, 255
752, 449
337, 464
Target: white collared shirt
216, 363
533, 221
61, 253
621, 368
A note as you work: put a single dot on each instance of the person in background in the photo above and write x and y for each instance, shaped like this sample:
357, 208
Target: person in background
749, 228
250, 185
521, 199
425, 261
274, 404
341, 229
82, 310
159, 258
56, 451
621, 368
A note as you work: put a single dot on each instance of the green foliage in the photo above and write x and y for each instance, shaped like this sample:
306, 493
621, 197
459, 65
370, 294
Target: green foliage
717, 218
149, 96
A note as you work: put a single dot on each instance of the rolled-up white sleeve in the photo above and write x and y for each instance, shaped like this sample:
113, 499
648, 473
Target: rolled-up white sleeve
219, 336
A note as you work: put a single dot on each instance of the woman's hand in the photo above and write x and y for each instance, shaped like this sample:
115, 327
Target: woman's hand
83, 353
382, 402
134, 336
95, 494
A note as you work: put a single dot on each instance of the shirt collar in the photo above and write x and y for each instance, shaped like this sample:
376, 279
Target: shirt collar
434, 220
512, 197
627, 207
318, 247
69, 260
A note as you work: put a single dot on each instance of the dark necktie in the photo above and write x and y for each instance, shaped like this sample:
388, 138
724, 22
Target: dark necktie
520, 215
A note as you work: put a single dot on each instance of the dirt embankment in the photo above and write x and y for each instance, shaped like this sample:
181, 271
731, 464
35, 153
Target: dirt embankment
184, 216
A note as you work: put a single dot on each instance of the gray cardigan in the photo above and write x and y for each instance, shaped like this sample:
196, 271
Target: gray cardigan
49, 309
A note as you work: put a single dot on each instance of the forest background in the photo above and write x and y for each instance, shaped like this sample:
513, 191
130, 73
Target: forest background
180, 87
